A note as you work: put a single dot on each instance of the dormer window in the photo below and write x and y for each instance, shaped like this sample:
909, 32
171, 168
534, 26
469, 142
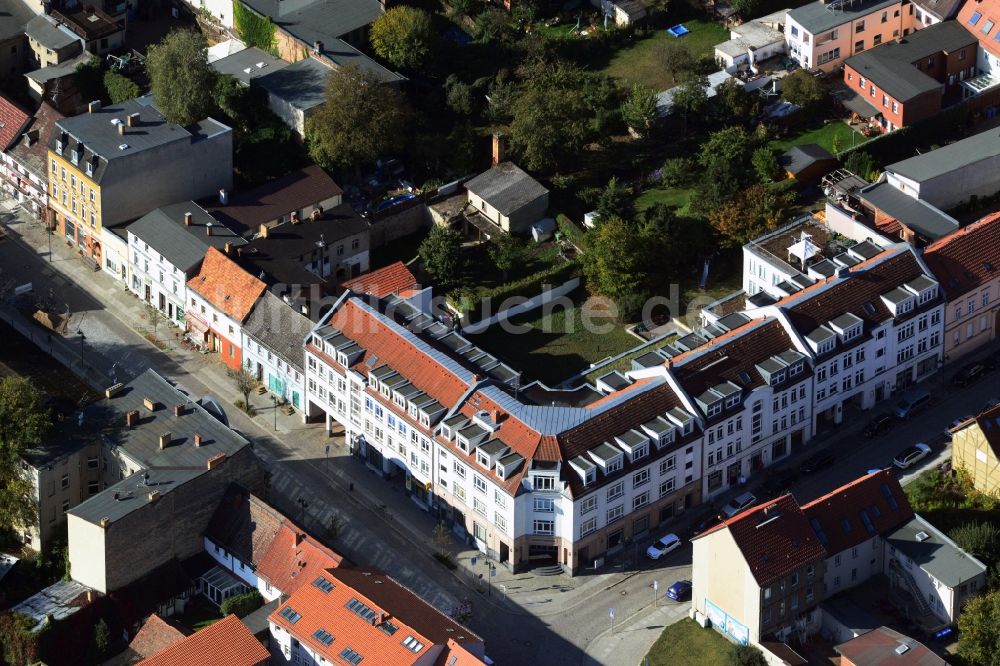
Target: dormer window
777, 377
732, 400
590, 476
714, 409
425, 420
462, 443
483, 459
342, 359
688, 427
543, 482
500, 471
613, 465
640, 451
795, 369
667, 438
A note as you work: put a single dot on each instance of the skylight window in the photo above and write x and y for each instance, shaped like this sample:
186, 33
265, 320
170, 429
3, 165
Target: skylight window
987, 27
974, 19
412, 644
361, 610
290, 614
867, 522
818, 529
845, 524
350, 656
323, 636
890, 498
323, 584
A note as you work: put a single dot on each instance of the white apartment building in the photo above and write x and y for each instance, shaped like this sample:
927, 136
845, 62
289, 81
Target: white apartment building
166, 248
273, 337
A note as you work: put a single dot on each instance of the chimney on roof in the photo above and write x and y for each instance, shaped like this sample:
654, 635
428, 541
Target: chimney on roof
499, 147
187, 219
294, 217
263, 231
208, 229
121, 128
113, 390
228, 249
164, 440
31, 137
94, 107
132, 418
197, 440
215, 460
90, 596
153, 496
318, 47
178, 410
105, 521
133, 120
149, 404
223, 196
316, 214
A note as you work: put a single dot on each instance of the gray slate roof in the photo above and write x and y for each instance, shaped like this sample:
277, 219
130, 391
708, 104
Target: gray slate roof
60, 600
938, 555
133, 493
920, 216
890, 66
48, 33
817, 17
183, 246
964, 153
65, 68
278, 327
302, 84
14, 16
797, 158
100, 136
942, 9
506, 187
260, 63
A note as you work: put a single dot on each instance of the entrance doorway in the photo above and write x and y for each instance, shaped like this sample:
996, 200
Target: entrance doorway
149, 294
504, 553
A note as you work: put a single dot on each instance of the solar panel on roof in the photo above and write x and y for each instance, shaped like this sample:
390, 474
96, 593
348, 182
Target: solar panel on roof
323, 636
290, 614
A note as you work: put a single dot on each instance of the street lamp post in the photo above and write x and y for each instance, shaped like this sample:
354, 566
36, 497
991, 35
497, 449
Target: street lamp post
656, 587
274, 401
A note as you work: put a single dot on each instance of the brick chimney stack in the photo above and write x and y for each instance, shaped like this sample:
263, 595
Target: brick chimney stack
197, 440
178, 410
164, 440
499, 146
187, 219
132, 418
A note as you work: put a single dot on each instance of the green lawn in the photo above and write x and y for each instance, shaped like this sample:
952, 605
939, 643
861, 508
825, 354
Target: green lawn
686, 643
625, 362
675, 197
198, 614
638, 63
558, 345
822, 135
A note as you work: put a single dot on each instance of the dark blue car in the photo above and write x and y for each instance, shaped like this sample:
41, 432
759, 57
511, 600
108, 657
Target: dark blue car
679, 591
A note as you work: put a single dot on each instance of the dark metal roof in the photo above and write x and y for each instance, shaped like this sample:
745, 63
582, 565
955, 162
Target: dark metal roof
817, 17
48, 33
302, 84
133, 493
183, 246
260, 63
797, 158
506, 187
941, 9
918, 215
13, 18
964, 153
891, 66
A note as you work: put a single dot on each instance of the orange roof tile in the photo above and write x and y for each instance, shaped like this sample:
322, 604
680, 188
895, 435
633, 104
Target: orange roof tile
392, 349
295, 558
392, 279
839, 513
227, 642
399, 614
967, 258
989, 11
456, 655
13, 120
226, 286
775, 539
155, 635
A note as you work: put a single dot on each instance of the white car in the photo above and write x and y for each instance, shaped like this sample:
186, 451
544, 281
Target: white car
955, 424
664, 545
739, 503
911, 455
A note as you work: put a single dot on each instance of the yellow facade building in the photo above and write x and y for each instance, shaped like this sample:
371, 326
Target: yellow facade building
974, 446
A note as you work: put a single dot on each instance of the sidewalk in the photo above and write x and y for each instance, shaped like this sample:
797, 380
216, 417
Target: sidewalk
632, 637
96, 351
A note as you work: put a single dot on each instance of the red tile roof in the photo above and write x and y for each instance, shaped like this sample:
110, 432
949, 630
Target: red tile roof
392, 279
225, 285
878, 648
989, 11
728, 356
227, 642
959, 260
393, 603
838, 514
775, 539
13, 120
295, 558
379, 340
154, 636
823, 302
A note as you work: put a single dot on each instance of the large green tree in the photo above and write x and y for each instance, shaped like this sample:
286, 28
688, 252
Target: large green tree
615, 201
180, 76
676, 59
404, 36
749, 214
802, 88
616, 260
725, 158
441, 253
979, 630
639, 110
506, 252
360, 120
23, 423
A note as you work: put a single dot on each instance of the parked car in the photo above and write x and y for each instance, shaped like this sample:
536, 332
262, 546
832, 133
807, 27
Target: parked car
704, 522
913, 402
817, 462
663, 545
879, 425
969, 374
777, 484
955, 424
739, 503
679, 591
911, 455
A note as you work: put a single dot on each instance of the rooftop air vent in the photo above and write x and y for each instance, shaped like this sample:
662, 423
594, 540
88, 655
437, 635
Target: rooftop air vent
902, 649
923, 536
